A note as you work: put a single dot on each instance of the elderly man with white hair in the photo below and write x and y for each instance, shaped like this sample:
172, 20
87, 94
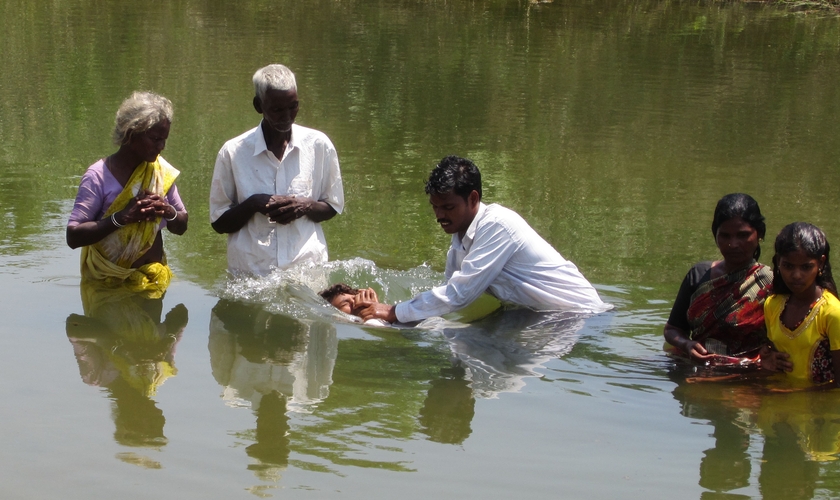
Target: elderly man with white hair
273, 185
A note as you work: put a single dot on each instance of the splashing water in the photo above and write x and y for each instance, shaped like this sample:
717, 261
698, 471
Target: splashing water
294, 291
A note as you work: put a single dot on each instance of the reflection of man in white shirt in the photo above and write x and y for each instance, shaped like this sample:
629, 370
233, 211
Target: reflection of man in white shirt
493, 250
273, 185
254, 353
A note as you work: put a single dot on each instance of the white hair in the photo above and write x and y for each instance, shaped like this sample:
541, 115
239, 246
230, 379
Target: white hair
140, 112
273, 77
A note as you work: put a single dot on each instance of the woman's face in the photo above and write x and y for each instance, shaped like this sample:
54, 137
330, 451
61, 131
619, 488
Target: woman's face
737, 242
149, 144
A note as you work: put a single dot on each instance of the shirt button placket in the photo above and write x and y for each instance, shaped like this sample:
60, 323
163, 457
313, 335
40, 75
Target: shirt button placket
279, 188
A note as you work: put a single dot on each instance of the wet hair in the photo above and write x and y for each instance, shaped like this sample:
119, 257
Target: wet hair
454, 174
809, 239
336, 290
273, 77
743, 206
140, 112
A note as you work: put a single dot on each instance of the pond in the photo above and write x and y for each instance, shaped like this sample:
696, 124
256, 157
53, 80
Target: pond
613, 127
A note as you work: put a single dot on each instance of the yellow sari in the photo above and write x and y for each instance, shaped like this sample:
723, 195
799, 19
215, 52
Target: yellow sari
110, 259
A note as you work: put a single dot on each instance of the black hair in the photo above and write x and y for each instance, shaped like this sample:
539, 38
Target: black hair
811, 240
743, 206
336, 290
454, 174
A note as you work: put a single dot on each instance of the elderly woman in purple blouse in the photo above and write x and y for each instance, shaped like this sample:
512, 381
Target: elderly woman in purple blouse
124, 201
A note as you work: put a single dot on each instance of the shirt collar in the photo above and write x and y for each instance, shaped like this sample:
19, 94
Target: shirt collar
259, 142
467, 240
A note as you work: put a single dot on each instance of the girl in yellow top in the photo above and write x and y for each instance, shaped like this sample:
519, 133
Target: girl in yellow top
803, 314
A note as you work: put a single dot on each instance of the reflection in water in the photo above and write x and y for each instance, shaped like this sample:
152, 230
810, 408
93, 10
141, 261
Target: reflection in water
272, 441
726, 466
786, 472
490, 356
801, 443
813, 416
254, 352
139, 460
449, 408
800, 429
498, 352
270, 362
274, 348
121, 344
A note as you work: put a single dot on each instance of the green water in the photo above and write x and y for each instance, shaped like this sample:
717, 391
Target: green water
612, 127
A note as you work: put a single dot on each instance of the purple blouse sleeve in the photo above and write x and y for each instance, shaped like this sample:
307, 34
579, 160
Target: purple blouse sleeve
174, 199
89, 199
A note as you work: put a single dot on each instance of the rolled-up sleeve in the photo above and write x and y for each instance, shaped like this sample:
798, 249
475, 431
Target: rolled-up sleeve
490, 251
222, 187
332, 187
89, 200
173, 197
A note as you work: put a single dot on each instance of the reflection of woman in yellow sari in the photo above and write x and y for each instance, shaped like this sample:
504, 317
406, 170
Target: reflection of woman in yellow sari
140, 347
120, 343
125, 199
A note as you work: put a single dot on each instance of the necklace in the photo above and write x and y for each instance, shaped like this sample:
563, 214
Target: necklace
801, 317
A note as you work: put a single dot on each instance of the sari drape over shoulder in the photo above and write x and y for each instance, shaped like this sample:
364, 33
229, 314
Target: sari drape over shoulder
110, 259
727, 313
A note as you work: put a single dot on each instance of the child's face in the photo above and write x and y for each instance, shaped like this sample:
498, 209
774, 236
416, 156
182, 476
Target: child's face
799, 271
344, 302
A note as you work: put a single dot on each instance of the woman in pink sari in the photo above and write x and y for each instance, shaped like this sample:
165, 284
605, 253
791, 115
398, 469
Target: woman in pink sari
719, 310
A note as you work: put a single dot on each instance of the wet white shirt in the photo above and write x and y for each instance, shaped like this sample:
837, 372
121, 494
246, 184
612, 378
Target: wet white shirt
245, 166
501, 254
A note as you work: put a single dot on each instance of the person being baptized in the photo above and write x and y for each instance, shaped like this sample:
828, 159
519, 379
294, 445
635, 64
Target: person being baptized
344, 298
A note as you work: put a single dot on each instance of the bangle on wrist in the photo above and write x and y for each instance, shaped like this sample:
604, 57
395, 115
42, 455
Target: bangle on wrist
114, 221
173, 217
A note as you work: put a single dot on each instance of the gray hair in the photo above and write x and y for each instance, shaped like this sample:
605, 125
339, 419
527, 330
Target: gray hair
273, 77
140, 112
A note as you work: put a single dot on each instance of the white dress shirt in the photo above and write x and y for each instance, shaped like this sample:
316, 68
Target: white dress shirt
245, 166
501, 254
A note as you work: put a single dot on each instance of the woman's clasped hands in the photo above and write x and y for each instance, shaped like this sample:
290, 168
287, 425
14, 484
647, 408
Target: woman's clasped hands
146, 206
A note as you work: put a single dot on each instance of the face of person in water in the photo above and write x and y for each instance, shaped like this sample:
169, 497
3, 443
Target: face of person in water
344, 302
